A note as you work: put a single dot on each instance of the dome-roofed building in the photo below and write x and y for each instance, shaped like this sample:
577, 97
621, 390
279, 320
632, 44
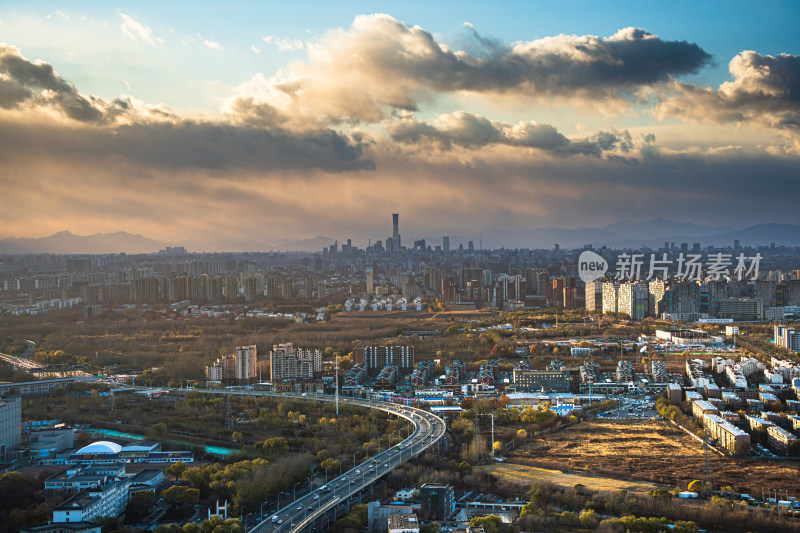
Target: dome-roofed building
101, 447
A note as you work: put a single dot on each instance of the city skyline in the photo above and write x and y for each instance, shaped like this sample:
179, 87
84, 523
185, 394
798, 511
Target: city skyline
244, 123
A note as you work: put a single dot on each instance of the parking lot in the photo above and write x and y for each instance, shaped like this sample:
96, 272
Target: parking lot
636, 408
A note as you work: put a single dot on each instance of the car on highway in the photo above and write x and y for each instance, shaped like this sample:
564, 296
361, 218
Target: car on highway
316, 496
386, 465
299, 507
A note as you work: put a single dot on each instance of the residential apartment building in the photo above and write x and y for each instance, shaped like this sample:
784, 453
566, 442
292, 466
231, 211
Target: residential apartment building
375, 358
240, 366
10, 425
780, 441
726, 435
288, 362
788, 338
633, 300
610, 297
594, 297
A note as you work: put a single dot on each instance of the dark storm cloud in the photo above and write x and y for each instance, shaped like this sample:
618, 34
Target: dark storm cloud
25, 82
473, 131
765, 89
186, 144
148, 135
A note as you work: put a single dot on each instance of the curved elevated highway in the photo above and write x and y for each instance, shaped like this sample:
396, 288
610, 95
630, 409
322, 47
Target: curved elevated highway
302, 513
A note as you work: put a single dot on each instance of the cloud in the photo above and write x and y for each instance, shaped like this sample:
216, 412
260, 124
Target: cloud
58, 13
36, 84
214, 45
255, 49
380, 65
765, 90
284, 44
49, 117
137, 31
471, 131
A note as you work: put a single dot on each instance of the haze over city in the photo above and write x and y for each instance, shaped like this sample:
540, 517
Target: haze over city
267, 123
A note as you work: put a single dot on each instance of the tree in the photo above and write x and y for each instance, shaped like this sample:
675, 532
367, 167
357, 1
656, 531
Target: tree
490, 523
463, 427
236, 436
182, 495
588, 518
497, 446
521, 434
698, 486
330, 464
159, 431
433, 527
140, 505
176, 470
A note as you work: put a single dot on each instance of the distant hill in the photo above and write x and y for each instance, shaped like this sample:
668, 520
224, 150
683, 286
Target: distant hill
652, 233
65, 242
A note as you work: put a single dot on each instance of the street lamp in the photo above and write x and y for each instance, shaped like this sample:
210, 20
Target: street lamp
294, 489
279, 498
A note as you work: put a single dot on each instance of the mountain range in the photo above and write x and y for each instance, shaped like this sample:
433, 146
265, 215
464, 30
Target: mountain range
652, 233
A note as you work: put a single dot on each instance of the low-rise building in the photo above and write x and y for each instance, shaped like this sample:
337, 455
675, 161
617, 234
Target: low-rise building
541, 380
780, 440
701, 408
726, 435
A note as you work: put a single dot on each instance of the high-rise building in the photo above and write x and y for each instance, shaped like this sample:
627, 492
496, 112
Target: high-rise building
286, 290
446, 244
231, 287
370, 281
246, 357
308, 286
633, 299
537, 281
471, 274
610, 296
10, 424
517, 288
288, 362
449, 290
395, 232
788, 338
433, 278
375, 358
594, 297
561, 292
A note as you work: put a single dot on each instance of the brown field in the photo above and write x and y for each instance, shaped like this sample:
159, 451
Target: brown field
652, 451
525, 475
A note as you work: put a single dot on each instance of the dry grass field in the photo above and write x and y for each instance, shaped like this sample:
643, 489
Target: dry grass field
525, 475
653, 451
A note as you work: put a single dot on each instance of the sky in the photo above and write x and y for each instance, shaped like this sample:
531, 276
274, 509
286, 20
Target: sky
272, 121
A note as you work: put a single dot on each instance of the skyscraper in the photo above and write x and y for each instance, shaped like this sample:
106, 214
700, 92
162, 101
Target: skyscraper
446, 244
370, 282
395, 232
